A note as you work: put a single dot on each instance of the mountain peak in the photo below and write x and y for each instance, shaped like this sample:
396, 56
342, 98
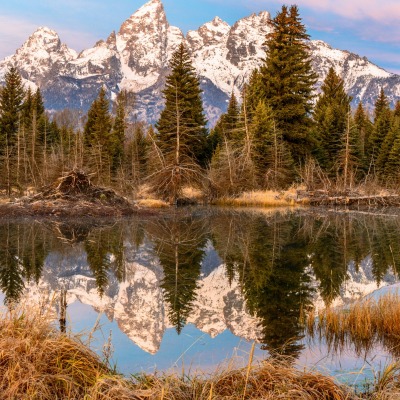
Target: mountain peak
151, 14
152, 5
218, 21
44, 38
211, 33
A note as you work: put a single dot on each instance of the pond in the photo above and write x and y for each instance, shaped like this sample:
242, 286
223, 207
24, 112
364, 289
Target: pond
193, 289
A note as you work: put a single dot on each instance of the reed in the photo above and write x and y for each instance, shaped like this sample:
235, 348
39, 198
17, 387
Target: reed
152, 203
261, 198
39, 362
363, 324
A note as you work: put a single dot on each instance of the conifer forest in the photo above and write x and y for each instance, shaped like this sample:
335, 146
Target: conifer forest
280, 132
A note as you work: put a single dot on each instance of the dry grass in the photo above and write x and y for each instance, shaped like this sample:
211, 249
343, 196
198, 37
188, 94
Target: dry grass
363, 324
39, 362
268, 380
261, 198
192, 193
152, 203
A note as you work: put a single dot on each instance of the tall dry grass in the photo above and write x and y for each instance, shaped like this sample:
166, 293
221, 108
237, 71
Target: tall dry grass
39, 362
363, 324
261, 198
267, 380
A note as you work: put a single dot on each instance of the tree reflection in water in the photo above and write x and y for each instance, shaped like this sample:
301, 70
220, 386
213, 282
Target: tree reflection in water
180, 244
281, 261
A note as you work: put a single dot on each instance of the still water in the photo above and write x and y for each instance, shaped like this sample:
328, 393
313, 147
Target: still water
193, 289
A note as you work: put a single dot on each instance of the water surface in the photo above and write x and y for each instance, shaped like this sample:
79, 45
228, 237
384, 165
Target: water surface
195, 288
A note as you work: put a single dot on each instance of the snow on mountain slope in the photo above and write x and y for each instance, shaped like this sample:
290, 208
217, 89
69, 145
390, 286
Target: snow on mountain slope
41, 54
136, 58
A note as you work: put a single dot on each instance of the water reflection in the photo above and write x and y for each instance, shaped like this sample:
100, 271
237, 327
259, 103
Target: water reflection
179, 242
270, 258
253, 273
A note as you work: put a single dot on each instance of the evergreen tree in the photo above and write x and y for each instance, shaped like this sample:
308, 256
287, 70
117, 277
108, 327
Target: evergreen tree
383, 167
182, 132
227, 126
364, 127
230, 120
272, 161
391, 163
396, 111
381, 127
182, 122
11, 106
253, 92
330, 116
118, 131
381, 105
288, 79
97, 136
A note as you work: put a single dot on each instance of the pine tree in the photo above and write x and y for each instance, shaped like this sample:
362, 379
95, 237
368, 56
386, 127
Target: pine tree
364, 127
253, 92
330, 116
273, 163
288, 79
230, 120
396, 111
97, 136
391, 163
227, 126
182, 132
382, 167
11, 106
182, 122
381, 128
118, 131
350, 156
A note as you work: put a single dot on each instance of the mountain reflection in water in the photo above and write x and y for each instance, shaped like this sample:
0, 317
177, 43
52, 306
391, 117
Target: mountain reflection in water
254, 273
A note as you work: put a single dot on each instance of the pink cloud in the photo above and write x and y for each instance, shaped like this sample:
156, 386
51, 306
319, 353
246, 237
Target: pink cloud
385, 11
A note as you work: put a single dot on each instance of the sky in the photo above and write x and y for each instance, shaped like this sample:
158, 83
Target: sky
369, 28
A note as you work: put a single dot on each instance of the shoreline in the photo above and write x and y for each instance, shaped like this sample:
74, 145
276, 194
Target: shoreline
40, 362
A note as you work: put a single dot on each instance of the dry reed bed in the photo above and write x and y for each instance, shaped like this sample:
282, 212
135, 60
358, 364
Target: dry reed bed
363, 324
39, 362
262, 198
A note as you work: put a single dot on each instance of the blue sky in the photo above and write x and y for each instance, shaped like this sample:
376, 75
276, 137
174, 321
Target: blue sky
369, 28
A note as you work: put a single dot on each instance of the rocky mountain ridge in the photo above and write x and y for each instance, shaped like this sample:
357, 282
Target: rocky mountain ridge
136, 58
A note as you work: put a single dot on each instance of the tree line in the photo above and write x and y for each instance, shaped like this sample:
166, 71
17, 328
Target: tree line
278, 134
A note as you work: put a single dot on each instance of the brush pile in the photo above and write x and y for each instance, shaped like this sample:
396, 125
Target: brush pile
71, 195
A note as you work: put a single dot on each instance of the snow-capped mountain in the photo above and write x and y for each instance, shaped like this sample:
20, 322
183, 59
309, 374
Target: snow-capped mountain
136, 58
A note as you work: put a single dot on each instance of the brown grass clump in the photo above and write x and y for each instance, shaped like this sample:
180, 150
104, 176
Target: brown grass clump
38, 362
365, 323
268, 380
260, 198
152, 203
